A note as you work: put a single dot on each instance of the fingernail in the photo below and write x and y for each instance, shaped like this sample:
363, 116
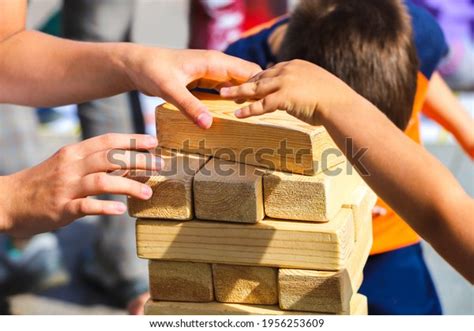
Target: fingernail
238, 113
120, 207
224, 91
159, 163
146, 192
152, 141
204, 120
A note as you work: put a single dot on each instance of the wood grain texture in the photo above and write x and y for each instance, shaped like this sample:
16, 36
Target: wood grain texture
172, 187
358, 307
228, 191
275, 141
212, 308
325, 291
245, 284
361, 202
181, 281
315, 198
324, 246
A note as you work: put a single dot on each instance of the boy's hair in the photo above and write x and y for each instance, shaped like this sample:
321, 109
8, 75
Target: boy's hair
366, 43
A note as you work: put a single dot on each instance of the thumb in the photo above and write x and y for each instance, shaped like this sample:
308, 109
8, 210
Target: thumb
190, 106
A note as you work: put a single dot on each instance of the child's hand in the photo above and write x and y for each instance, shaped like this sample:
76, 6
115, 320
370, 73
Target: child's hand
303, 89
58, 190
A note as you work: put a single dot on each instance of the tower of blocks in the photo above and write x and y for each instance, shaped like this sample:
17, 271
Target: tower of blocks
256, 216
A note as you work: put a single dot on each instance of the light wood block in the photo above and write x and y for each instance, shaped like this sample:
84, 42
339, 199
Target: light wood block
245, 284
271, 243
181, 281
308, 198
228, 191
275, 140
325, 291
358, 307
361, 202
172, 187
212, 308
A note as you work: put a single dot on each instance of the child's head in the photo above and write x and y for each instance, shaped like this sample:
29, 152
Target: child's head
366, 43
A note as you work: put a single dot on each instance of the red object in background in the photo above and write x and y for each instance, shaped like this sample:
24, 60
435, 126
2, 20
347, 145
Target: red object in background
261, 11
213, 24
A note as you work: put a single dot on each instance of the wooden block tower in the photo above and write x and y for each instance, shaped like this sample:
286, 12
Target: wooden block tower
256, 216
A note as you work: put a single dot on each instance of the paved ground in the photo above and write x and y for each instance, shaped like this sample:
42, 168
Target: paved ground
78, 297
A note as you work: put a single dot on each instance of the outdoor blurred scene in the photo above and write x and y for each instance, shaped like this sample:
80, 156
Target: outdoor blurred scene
90, 267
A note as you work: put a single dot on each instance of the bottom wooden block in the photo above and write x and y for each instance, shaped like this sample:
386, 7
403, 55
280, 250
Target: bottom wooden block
181, 281
326, 291
358, 307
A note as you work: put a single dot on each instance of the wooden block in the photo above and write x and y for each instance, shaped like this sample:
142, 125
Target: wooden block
325, 291
358, 307
245, 284
361, 202
181, 281
275, 140
324, 246
212, 308
228, 191
308, 198
358, 259
172, 187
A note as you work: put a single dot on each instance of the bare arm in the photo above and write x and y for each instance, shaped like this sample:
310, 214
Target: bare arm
410, 180
415, 184
443, 107
41, 70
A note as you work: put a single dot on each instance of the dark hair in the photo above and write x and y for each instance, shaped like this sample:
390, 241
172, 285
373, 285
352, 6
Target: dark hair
366, 43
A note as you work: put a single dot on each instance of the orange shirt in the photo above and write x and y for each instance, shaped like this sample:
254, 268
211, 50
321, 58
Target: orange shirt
390, 231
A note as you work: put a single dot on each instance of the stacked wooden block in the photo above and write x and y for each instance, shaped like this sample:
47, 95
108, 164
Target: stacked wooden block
254, 216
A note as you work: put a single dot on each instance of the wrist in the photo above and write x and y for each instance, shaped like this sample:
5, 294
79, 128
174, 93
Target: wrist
346, 100
123, 57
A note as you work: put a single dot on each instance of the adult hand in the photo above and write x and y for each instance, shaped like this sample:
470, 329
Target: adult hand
168, 73
57, 191
303, 89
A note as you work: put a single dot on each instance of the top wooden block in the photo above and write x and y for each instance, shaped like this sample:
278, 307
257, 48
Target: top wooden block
275, 141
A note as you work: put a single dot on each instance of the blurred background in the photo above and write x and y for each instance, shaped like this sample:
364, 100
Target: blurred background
65, 271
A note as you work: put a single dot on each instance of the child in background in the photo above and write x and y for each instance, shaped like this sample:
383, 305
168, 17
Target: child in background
369, 45
442, 106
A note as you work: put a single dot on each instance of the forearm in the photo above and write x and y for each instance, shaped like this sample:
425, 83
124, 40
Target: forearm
460, 125
443, 107
40, 70
410, 180
5, 220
